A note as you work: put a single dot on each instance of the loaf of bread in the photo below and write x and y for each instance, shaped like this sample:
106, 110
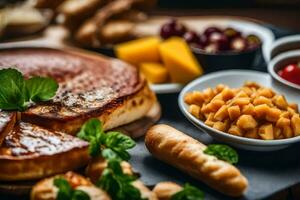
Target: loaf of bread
186, 154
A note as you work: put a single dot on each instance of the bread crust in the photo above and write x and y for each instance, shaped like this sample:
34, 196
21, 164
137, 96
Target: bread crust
97, 165
45, 189
165, 190
185, 153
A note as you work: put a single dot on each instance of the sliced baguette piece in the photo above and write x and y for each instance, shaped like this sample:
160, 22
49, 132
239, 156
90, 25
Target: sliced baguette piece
46, 190
185, 153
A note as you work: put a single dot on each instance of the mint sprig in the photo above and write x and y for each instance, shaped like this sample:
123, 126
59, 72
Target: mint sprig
16, 93
66, 192
188, 193
117, 184
118, 143
222, 152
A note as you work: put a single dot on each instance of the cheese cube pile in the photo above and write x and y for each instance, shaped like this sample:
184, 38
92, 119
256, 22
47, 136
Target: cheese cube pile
161, 61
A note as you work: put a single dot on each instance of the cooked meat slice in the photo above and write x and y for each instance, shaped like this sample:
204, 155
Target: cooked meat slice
31, 152
7, 122
45, 189
91, 86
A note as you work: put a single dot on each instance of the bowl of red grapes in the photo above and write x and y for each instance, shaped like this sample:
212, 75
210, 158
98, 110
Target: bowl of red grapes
215, 47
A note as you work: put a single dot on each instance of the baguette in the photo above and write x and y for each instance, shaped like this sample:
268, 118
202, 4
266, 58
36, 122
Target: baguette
186, 154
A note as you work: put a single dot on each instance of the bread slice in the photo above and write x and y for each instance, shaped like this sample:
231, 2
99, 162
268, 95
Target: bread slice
91, 86
30, 152
7, 122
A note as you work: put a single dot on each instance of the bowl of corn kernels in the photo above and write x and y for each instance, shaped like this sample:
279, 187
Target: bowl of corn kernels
244, 109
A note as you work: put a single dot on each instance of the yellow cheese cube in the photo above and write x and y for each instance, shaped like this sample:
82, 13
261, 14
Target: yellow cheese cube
179, 60
154, 72
140, 50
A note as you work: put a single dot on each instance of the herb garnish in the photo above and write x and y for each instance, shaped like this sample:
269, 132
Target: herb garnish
117, 142
117, 184
66, 192
222, 152
16, 93
188, 193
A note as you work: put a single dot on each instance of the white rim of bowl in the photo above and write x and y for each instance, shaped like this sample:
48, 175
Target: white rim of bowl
279, 58
243, 140
281, 41
166, 88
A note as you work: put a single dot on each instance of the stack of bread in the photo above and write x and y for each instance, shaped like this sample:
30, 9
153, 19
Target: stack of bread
94, 23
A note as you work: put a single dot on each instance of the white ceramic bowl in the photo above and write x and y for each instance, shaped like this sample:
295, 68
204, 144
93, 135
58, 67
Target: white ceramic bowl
281, 61
236, 78
284, 44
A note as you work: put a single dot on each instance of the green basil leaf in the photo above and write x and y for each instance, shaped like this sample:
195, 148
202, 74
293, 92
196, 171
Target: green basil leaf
41, 89
188, 193
80, 195
117, 184
222, 152
119, 143
94, 147
11, 90
90, 130
64, 189
109, 154
119, 140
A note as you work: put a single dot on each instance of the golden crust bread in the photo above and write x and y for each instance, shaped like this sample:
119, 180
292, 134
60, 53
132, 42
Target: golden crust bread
165, 190
30, 152
45, 189
186, 154
97, 166
7, 122
90, 86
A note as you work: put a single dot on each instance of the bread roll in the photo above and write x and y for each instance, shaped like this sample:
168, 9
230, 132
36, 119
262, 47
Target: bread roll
45, 189
186, 154
165, 190
97, 165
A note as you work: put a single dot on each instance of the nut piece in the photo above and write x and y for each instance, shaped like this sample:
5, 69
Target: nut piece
280, 102
261, 110
235, 130
222, 113
246, 122
220, 126
266, 132
273, 114
283, 122
295, 122
195, 111
252, 133
234, 112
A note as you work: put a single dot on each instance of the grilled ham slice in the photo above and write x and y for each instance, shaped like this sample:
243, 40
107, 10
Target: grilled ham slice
91, 86
45, 189
7, 122
30, 152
